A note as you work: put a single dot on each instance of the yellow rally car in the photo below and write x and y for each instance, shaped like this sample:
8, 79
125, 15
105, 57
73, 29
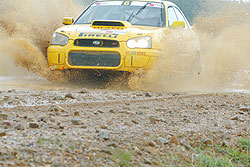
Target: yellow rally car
115, 36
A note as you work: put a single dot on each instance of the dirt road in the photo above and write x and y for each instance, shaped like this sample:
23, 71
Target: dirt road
65, 126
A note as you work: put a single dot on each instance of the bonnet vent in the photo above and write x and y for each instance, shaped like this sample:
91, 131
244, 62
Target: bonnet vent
108, 23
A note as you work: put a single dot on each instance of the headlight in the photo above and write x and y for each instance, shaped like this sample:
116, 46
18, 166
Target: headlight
140, 42
59, 39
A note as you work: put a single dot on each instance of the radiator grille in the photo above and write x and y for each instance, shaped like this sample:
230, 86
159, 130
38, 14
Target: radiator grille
97, 43
94, 58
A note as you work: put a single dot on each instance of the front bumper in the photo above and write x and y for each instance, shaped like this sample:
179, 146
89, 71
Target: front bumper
66, 57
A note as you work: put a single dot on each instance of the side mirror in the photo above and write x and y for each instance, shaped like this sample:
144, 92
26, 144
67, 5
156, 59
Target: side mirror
178, 24
68, 21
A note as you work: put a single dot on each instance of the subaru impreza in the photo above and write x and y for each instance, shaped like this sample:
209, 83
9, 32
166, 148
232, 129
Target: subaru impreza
117, 36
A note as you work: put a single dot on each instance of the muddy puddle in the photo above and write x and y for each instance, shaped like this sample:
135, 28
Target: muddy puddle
224, 39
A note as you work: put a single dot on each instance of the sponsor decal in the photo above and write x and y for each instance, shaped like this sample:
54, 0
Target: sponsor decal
138, 3
98, 35
111, 31
135, 53
107, 3
100, 3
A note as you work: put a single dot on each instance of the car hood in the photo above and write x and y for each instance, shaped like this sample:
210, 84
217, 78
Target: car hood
86, 31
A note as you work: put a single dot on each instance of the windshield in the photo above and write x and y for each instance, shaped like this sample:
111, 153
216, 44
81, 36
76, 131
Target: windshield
137, 13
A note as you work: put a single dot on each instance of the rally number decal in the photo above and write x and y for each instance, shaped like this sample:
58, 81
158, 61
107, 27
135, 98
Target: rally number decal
126, 3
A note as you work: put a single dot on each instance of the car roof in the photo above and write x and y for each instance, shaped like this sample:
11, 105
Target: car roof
165, 1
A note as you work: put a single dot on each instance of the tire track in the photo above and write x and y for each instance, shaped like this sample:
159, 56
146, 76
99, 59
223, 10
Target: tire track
133, 101
113, 102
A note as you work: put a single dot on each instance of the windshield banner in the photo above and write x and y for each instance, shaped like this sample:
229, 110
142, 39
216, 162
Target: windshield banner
128, 3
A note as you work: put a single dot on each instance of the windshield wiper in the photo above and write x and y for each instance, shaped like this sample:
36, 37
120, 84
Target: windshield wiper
138, 12
130, 16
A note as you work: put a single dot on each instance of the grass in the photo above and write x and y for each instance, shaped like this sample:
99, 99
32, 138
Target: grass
210, 161
42, 141
237, 155
122, 157
57, 142
245, 143
220, 156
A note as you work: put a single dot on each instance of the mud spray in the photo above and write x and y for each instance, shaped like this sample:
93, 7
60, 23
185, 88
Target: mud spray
26, 27
224, 36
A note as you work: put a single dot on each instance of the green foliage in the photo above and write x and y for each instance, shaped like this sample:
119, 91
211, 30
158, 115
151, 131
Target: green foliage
122, 157
72, 148
208, 161
237, 155
245, 144
54, 141
172, 159
42, 141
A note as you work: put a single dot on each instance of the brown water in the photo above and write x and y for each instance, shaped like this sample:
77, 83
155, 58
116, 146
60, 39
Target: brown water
224, 34
26, 27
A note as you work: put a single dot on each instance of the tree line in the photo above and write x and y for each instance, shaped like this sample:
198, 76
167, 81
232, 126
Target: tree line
193, 8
